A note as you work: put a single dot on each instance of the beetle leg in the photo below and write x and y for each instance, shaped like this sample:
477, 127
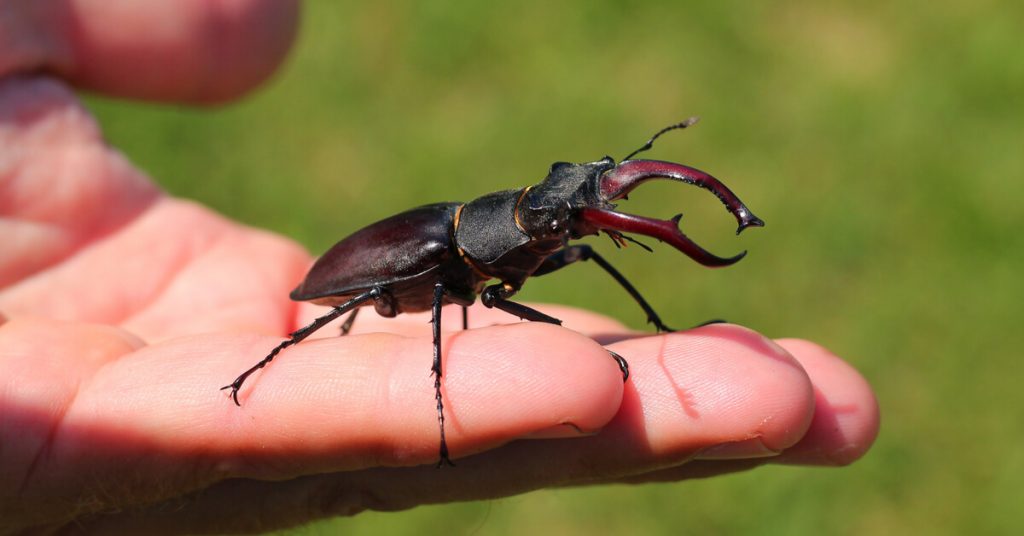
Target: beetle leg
435, 319
496, 296
584, 252
346, 326
623, 365
465, 317
300, 334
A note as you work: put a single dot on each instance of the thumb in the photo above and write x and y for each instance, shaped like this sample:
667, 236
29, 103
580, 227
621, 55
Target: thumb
175, 50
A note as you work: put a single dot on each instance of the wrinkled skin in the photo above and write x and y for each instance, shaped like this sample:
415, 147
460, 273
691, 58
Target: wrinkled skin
124, 309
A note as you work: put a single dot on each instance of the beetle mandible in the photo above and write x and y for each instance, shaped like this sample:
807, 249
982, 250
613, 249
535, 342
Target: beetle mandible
447, 252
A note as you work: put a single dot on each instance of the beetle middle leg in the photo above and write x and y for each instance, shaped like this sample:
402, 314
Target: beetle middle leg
496, 296
435, 320
346, 326
584, 252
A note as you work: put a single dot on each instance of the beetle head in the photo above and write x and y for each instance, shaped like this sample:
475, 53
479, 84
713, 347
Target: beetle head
577, 199
548, 209
616, 182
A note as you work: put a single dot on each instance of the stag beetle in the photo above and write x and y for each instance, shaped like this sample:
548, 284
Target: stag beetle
447, 252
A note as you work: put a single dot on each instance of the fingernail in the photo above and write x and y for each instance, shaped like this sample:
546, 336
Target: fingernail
560, 431
735, 450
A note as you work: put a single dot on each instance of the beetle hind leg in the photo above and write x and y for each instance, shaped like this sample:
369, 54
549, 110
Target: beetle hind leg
298, 335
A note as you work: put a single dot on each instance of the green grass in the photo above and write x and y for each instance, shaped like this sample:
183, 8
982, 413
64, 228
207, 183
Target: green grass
881, 141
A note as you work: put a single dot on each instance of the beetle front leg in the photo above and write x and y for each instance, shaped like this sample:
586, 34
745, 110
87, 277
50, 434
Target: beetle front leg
584, 252
496, 296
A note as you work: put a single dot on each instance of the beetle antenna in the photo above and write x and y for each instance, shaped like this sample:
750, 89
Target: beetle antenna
615, 238
637, 242
650, 142
620, 240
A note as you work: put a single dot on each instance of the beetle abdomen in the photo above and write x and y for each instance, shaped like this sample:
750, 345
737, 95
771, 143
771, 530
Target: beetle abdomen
394, 249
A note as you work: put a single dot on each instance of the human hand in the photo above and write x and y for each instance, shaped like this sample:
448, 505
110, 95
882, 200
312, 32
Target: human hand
124, 310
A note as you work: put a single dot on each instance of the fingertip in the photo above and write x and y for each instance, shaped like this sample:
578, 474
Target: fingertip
190, 51
846, 420
719, 386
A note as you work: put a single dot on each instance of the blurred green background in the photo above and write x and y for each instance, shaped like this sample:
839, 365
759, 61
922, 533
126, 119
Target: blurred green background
881, 141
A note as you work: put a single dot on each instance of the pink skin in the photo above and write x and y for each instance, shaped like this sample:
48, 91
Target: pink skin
122, 310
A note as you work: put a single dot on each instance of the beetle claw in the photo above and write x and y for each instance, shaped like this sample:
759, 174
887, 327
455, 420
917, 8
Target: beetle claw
749, 221
663, 230
659, 326
620, 181
233, 394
